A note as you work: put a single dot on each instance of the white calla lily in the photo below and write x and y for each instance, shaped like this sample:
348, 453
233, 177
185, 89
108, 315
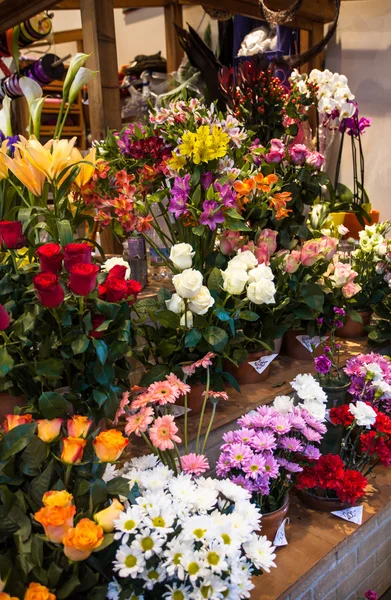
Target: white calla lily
31, 90
5, 117
77, 61
83, 76
35, 111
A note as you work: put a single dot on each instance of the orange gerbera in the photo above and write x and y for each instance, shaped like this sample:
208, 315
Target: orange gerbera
263, 182
245, 187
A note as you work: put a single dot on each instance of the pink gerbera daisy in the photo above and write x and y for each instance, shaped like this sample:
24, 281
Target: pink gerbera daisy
204, 362
222, 395
194, 464
121, 409
141, 400
163, 392
176, 382
162, 433
139, 422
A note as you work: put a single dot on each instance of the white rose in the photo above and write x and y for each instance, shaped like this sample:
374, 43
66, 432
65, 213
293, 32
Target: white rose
186, 320
246, 259
188, 283
234, 279
364, 414
200, 303
261, 292
175, 304
182, 256
315, 408
284, 404
260, 272
116, 260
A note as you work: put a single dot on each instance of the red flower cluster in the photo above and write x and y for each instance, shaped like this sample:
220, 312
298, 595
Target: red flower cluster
377, 446
11, 235
341, 415
116, 288
329, 473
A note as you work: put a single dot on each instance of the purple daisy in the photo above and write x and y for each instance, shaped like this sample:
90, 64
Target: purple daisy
312, 452
312, 422
289, 466
264, 440
291, 443
246, 421
262, 485
223, 465
211, 215
239, 455
281, 424
244, 435
254, 466
271, 467
244, 483
311, 435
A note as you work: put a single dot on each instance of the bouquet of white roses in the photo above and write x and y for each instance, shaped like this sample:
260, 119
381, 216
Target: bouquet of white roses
187, 539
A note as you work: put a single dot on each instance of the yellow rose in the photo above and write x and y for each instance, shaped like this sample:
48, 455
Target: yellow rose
106, 517
79, 426
72, 450
36, 591
49, 429
109, 445
81, 540
12, 421
56, 521
5, 596
57, 498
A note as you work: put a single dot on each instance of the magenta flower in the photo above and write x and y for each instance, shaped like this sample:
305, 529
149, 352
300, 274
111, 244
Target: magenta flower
243, 435
244, 483
227, 194
211, 215
271, 467
281, 424
312, 422
223, 465
262, 486
207, 179
179, 196
254, 467
311, 435
311, 452
263, 441
276, 152
291, 443
298, 153
323, 364
239, 455
289, 466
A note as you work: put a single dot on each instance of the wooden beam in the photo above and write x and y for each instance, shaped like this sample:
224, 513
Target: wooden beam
174, 52
13, 12
75, 4
317, 35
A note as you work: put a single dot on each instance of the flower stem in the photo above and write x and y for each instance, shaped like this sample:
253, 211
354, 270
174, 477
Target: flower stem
203, 408
209, 428
185, 427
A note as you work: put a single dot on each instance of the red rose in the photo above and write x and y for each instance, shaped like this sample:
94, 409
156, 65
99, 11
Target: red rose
11, 234
4, 318
50, 258
118, 271
49, 290
116, 289
75, 254
82, 279
134, 288
96, 321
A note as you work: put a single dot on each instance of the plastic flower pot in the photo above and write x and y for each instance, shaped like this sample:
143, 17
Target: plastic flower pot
321, 502
352, 329
337, 218
246, 373
294, 349
354, 226
270, 522
8, 403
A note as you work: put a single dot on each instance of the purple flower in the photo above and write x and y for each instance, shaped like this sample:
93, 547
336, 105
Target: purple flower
239, 455
296, 421
338, 324
323, 364
223, 465
315, 159
289, 466
276, 152
211, 215
244, 435
311, 435
338, 346
179, 196
298, 153
262, 486
207, 179
246, 421
271, 467
319, 321
291, 443
244, 483
312, 422
263, 441
339, 311
371, 595
281, 424
311, 452
227, 194
254, 466
327, 349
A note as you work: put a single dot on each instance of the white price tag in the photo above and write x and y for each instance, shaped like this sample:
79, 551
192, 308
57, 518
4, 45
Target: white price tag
280, 539
262, 363
311, 343
354, 514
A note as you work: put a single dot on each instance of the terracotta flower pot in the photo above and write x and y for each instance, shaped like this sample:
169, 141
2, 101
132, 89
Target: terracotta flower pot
354, 226
320, 503
270, 522
195, 399
277, 345
8, 403
246, 373
352, 329
294, 349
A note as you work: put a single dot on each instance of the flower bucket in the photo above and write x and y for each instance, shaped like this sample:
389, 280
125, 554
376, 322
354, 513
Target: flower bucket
8, 404
354, 226
352, 329
320, 502
294, 349
270, 522
332, 439
245, 372
277, 345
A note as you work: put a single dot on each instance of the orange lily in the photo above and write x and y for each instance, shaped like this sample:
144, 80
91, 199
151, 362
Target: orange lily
3, 164
278, 202
50, 158
25, 171
263, 182
86, 166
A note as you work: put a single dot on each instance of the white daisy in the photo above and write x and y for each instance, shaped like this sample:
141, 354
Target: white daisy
153, 576
128, 522
149, 542
232, 491
177, 592
129, 562
215, 557
260, 551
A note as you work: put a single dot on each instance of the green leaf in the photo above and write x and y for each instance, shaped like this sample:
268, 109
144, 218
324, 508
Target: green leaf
54, 574
198, 230
163, 295
216, 337
101, 349
50, 367
52, 405
215, 280
80, 345
167, 318
192, 338
235, 225
98, 493
108, 309
355, 316
41, 484
69, 586
118, 487
65, 232
15, 440
6, 362
99, 396
248, 315
196, 197
157, 373
35, 453
104, 374
313, 296
107, 541
231, 212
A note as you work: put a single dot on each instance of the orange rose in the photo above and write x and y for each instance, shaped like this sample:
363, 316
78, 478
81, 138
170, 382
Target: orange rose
72, 450
81, 540
56, 521
79, 426
49, 429
109, 445
57, 498
12, 421
36, 591
106, 517
5, 596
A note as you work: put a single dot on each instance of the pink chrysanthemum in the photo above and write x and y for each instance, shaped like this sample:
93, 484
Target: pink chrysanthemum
139, 422
194, 464
162, 433
163, 392
254, 467
173, 380
222, 395
121, 409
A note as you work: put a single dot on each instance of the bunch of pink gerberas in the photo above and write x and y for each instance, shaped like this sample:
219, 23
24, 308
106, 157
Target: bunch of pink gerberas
149, 414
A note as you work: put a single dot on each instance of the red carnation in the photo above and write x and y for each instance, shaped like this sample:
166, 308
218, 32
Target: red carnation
96, 321
11, 234
341, 415
383, 423
50, 257
4, 318
352, 486
82, 279
49, 290
75, 254
118, 271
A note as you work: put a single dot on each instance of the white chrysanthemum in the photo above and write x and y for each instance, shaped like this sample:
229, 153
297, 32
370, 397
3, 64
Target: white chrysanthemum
260, 551
241, 525
193, 565
153, 576
161, 518
175, 592
113, 262
156, 479
182, 488
144, 462
128, 523
214, 557
212, 588
241, 583
232, 491
129, 562
196, 528
110, 473
250, 512
204, 499
150, 500
150, 542
284, 404
172, 556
